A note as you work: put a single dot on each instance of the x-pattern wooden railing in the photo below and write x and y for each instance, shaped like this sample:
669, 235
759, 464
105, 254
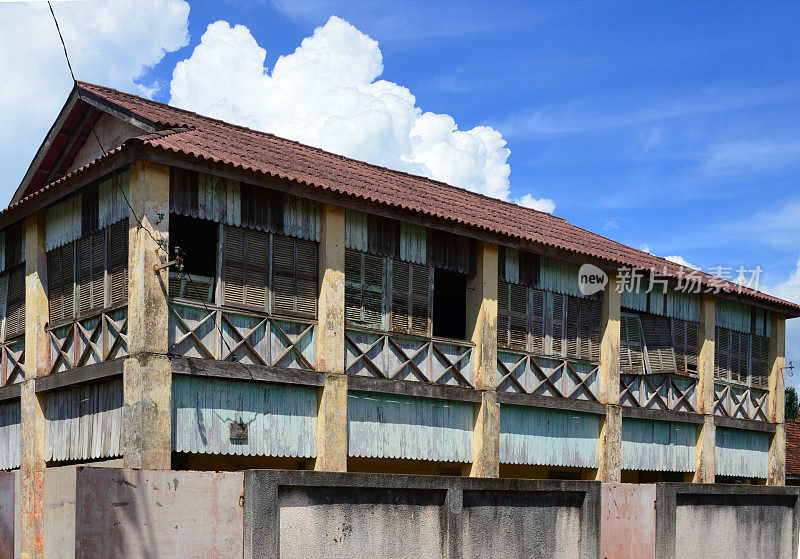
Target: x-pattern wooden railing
563, 379
215, 333
12, 359
741, 402
661, 392
395, 356
89, 340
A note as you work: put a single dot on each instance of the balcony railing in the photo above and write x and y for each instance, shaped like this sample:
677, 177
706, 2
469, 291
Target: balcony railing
12, 359
740, 402
211, 332
658, 392
528, 373
86, 341
398, 356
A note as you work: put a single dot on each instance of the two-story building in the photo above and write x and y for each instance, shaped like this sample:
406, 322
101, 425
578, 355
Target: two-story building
179, 292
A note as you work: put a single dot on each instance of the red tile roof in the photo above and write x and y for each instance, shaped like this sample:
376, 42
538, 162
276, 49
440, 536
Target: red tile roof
793, 448
228, 144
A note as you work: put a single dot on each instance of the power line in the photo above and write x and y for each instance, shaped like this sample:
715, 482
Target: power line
159, 242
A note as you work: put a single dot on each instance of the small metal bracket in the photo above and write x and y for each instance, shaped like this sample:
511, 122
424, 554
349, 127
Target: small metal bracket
789, 367
178, 262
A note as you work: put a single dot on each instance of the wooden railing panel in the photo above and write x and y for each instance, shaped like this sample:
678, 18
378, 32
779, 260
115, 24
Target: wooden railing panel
88, 341
547, 376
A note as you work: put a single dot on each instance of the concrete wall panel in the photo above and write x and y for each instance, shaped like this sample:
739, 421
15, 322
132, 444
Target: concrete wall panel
628, 521
129, 513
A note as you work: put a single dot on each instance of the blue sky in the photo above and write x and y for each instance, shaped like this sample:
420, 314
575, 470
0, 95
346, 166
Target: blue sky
672, 127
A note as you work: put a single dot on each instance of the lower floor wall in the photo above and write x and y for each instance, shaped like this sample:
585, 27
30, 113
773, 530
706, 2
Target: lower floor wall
114, 512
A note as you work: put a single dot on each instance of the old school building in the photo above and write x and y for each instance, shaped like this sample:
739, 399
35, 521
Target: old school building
178, 292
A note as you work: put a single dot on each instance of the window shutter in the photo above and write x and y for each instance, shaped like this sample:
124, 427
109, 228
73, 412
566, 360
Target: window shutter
512, 315
740, 343
410, 297
60, 282
245, 267
91, 272
537, 321
3, 303
294, 276
658, 341
631, 357
118, 263
685, 339
760, 362
558, 319
15, 315
595, 329
363, 296
573, 321
722, 343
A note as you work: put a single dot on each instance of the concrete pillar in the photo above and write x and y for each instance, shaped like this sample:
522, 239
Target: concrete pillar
609, 468
147, 380
482, 316
482, 329
776, 474
332, 410
705, 450
31, 499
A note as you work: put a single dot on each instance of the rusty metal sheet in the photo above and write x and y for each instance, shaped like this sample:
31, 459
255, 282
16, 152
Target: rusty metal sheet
129, 513
628, 521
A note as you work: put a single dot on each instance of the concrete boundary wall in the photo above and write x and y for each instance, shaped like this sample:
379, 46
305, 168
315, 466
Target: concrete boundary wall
291, 514
726, 521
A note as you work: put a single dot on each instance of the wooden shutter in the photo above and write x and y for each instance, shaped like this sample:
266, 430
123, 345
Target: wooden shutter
583, 328
410, 297
595, 314
245, 267
294, 276
60, 282
658, 342
537, 321
558, 309
363, 296
739, 362
15, 314
722, 348
91, 273
685, 339
631, 355
512, 308
118, 263
759, 368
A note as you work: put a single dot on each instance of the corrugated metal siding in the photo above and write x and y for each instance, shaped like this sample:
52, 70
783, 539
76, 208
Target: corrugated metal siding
559, 276
741, 453
84, 422
390, 426
63, 222
685, 306
2, 250
511, 265
302, 218
733, 315
658, 446
355, 230
413, 243
548, 437
281, 420
9, 435
112, 206
634, 300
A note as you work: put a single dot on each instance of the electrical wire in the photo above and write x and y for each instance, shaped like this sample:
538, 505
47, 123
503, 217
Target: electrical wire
159, 242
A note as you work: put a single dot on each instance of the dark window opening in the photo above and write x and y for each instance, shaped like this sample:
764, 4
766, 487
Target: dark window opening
449, 304
197, 239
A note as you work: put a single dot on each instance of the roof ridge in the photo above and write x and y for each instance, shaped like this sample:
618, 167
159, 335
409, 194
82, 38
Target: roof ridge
330, 153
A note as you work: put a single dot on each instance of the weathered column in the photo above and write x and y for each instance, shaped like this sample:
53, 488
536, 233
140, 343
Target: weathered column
776, 474
706, 433
332, 410
31, 499
482, 322
147, 379
609, 468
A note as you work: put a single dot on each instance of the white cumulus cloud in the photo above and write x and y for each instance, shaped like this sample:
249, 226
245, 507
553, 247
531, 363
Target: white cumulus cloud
682, 261
327, 93
111, 43
542, 204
